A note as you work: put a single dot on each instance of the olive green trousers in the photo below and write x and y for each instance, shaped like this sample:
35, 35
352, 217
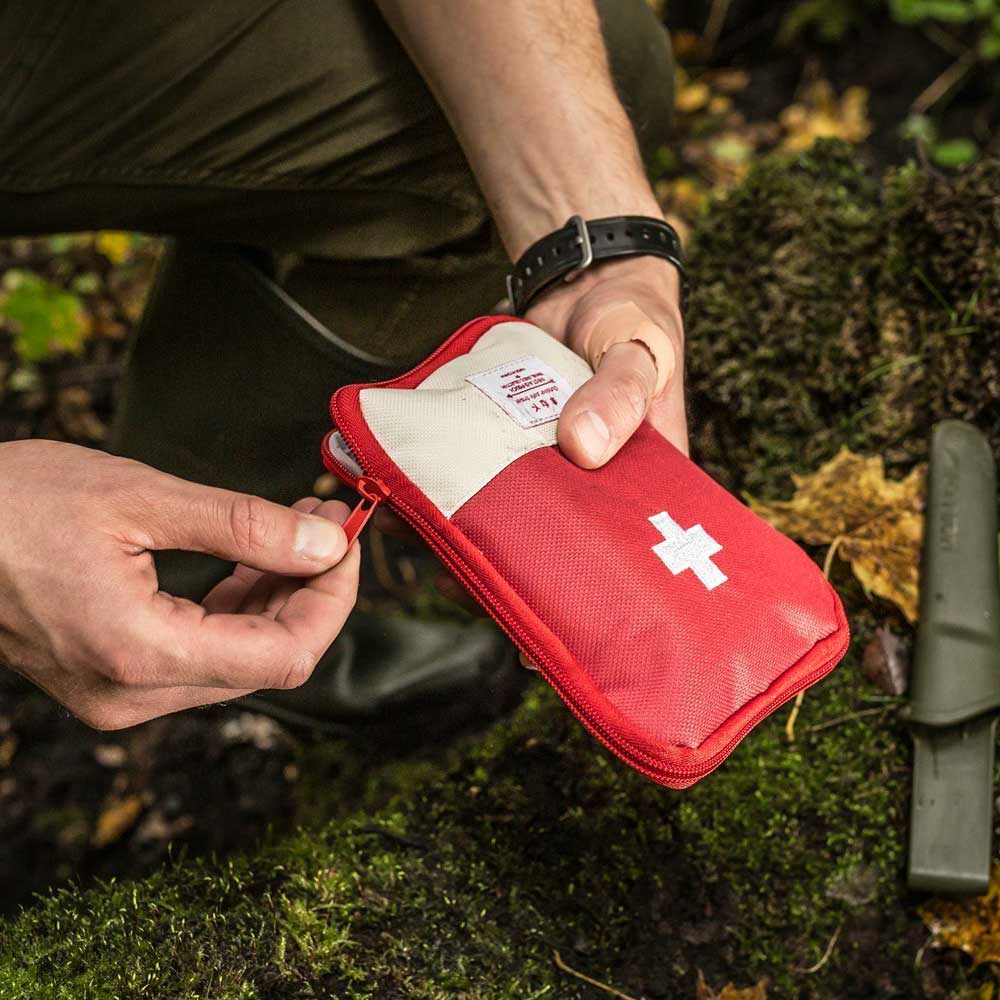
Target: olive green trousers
298, 133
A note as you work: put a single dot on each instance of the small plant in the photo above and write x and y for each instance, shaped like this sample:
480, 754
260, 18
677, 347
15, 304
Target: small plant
986, 13
45, 319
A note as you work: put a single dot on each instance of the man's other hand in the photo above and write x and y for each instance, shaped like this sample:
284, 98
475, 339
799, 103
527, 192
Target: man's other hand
634, 301
81, 613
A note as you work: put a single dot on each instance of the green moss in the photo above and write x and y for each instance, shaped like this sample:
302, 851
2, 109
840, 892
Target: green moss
938, 308
775, 350
535, 841
826, 311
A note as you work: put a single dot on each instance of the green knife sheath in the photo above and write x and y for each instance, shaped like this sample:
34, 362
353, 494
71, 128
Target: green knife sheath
955, 689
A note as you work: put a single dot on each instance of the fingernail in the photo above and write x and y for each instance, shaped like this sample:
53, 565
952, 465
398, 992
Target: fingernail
319, 539
593, 434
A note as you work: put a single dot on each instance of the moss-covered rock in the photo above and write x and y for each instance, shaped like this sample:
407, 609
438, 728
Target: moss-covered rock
536, 842
827, 311
775, 344
465, 879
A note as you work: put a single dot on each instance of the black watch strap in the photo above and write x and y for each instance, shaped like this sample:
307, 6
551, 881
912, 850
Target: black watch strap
580, 244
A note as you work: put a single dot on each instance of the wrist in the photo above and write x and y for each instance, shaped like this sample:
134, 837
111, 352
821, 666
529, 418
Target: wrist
654, 281
576, 248
526, 217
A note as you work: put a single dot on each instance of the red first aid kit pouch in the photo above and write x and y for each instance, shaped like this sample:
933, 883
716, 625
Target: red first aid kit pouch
668, 616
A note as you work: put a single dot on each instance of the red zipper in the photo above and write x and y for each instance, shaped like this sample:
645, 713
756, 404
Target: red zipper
373, 492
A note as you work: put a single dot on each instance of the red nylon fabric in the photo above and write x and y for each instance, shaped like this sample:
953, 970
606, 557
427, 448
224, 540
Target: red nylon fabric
674, 657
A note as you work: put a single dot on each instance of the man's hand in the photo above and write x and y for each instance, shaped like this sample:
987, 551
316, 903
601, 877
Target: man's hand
634, 301
81, 614
534, 106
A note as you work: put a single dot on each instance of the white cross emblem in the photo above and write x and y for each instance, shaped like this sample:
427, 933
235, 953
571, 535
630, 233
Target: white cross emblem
688, 549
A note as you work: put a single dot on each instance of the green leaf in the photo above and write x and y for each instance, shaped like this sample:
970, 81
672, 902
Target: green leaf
952, 11
954, 152
46, 319
918, 128
989, 45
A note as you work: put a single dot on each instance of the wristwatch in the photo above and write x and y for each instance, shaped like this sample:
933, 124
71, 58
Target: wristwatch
580, 244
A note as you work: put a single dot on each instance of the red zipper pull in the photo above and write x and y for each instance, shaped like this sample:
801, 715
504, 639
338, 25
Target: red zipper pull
373, 492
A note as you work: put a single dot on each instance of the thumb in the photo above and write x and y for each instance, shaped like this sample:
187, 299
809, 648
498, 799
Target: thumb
238, 527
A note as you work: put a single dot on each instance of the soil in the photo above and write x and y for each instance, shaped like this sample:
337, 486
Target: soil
895, 63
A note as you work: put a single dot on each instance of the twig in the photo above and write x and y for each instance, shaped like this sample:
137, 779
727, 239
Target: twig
560, 964
943, 40
830, 723
944, 82
793, 715
714, 25
383, 571
826, 954
830, 552
800, 697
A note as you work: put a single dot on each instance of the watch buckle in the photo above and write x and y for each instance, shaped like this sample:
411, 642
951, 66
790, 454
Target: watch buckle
586, 248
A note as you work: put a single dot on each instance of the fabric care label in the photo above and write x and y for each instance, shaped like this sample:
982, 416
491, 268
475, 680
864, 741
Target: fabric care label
528, 390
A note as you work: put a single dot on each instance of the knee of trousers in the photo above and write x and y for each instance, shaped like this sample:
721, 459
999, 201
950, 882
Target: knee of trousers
642, 66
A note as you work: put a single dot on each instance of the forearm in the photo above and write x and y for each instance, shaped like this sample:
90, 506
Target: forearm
527, 88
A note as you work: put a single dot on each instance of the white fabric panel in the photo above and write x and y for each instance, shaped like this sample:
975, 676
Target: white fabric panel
451, 439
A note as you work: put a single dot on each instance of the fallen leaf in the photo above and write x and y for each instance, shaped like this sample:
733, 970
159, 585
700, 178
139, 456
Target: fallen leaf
117, 247
75, 411
8, 747
156, 827
730, 992
719, 104
110, 755
874, 523
249, 727
325, 486
685, 196
692, 97
686, 45
971, 923
730, 81
821, 115
117, 818
885, 662
45, 318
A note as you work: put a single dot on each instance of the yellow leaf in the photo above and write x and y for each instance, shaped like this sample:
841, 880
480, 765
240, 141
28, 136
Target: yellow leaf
730, 992
720, 104
692, 97
821, 115
730, 81
8, 747
686, 45
684, 195
117, 247
875, 523
117, 819
972, 923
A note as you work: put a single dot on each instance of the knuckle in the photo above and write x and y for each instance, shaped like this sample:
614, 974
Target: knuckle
628, 397
297, 671
250, 524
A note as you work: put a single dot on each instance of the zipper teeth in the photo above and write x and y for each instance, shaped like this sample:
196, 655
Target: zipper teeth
641, 761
